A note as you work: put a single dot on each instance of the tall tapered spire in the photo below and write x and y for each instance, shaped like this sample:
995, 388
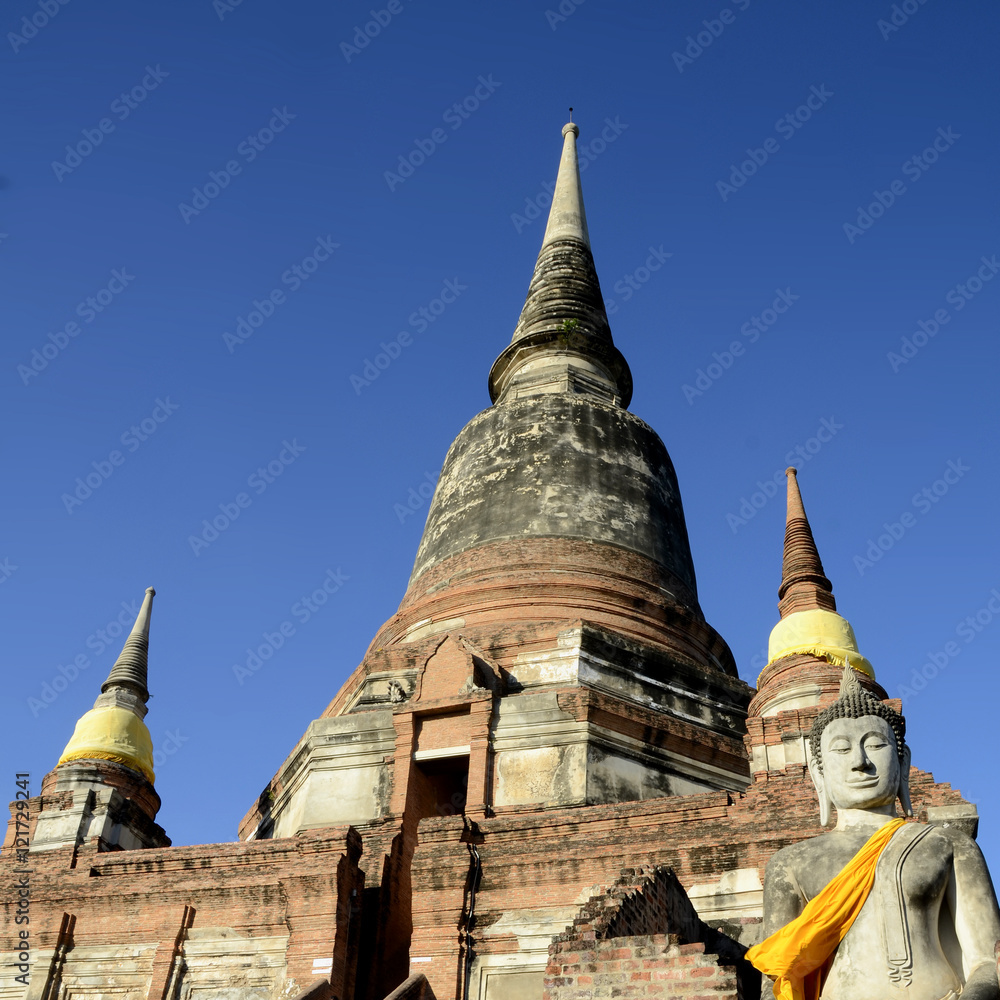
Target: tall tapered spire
113, 730
567, 218
809, 621
562, 342
807, 653
803, 583
132, 664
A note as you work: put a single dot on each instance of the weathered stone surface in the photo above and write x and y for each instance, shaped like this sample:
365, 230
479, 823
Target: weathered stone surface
540, 753
85, 800
562, 342
336, 776
561, 466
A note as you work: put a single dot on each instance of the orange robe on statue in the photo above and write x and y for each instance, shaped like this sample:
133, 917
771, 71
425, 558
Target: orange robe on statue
797, 956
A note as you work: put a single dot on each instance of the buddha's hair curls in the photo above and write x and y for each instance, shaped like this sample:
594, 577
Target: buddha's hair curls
855, 703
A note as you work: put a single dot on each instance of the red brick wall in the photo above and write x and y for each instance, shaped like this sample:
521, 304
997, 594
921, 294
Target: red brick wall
302, 886
655, 965
642, 938
450, 729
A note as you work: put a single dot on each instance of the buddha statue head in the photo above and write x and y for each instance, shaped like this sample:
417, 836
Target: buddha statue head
859, 757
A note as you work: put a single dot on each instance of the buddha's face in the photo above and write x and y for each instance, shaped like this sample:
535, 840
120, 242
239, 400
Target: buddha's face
860, 763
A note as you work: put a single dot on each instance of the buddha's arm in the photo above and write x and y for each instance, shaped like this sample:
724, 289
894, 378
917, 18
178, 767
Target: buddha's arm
783, 902
977, 920
783, 897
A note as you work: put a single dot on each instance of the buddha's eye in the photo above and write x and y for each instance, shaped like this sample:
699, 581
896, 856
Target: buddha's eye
841, 746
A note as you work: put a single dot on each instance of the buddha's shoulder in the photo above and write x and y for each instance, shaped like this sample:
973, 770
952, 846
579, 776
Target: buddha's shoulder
805, 854
841, 846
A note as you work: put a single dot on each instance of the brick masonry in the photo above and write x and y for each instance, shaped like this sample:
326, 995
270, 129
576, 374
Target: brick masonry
642, 938
447, 889
162, 906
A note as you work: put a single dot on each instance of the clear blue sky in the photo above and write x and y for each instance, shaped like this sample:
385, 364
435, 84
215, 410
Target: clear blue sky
279, 140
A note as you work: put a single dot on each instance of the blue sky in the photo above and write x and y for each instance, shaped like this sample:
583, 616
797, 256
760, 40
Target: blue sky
192, 167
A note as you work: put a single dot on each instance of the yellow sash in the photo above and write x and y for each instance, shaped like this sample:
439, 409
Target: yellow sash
796, 956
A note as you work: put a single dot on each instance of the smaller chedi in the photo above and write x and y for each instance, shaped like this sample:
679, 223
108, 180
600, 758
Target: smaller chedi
876, 908
102, 787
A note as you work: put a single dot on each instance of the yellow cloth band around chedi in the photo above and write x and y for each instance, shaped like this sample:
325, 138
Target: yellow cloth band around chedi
818, 633
114, 734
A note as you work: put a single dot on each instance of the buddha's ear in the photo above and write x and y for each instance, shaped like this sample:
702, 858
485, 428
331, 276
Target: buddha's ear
825, 805
904, 783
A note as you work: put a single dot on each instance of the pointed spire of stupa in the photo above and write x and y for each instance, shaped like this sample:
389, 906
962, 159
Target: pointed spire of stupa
810, 651
809, 621
562, 342
567, 218
803, 583
131, 666
113, 730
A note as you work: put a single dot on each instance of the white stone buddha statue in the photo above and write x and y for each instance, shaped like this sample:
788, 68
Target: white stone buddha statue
915, 912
